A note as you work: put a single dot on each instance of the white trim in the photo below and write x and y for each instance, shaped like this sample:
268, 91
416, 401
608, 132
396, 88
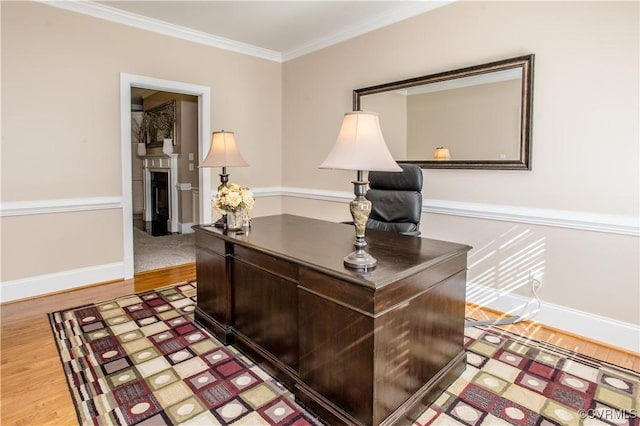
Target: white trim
166, 164
204, 127
271, 191
382, 20
112, 14
613, 332
119, 16
183, 186
23, 208
586, 221
613, 224
607, 330
60, 281
185, 228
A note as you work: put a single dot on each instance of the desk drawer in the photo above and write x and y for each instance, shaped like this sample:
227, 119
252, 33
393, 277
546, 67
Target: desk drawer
269, 263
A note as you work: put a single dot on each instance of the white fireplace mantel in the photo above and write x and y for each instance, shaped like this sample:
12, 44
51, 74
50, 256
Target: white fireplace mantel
168, 164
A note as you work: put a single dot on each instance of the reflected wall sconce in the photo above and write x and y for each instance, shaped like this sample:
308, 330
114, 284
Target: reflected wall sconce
360, 146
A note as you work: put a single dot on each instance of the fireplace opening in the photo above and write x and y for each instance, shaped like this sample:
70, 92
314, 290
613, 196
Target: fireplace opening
159, 203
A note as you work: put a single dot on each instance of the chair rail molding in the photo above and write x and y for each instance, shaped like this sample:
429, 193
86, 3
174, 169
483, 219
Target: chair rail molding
613, 224
586, 221
64, 205
605, 329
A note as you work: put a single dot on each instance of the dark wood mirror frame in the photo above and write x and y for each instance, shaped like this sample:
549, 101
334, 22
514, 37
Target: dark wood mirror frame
523, 62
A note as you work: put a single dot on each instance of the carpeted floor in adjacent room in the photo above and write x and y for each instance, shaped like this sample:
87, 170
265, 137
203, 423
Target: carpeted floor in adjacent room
160, 252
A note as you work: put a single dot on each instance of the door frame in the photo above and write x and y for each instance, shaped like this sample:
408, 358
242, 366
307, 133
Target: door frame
127, 81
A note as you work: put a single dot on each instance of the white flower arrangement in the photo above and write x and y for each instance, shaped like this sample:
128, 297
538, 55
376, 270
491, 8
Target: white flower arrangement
233, 197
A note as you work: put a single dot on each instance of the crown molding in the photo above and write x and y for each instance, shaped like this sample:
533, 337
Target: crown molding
360, 28
101, 11
112, 14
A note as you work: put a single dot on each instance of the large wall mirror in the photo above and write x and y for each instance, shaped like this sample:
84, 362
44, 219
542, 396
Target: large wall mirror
471, 118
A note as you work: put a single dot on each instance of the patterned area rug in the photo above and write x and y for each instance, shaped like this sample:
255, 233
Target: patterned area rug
141, 360
513, 380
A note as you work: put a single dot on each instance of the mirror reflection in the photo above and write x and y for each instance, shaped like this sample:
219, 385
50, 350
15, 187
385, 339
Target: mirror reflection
476, 117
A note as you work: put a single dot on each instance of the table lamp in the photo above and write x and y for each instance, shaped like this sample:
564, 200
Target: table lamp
441, 153
360, 146
223, 153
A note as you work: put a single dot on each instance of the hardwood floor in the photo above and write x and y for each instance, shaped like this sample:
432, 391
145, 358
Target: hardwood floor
563, 339
33, 385
34, 389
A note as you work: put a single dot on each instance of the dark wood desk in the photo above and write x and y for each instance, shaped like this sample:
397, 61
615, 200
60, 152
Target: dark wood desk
356, 348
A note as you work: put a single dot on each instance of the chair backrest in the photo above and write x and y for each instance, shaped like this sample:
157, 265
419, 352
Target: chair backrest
396, 200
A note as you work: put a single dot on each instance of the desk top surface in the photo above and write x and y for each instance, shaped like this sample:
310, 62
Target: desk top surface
322, 245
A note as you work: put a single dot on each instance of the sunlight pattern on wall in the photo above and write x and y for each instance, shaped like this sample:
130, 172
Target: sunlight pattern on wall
510, 263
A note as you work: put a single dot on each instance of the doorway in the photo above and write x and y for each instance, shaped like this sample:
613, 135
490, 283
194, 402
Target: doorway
127, 82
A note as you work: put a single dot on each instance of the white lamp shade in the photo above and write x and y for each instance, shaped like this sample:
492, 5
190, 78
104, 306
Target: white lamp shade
441, 153
223, 152
360, 145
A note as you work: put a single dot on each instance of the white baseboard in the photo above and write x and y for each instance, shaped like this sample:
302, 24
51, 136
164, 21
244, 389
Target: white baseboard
595, 327
52, 283
606, 330
185, 228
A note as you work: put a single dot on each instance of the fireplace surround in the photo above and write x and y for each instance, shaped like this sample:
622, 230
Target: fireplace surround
161, 193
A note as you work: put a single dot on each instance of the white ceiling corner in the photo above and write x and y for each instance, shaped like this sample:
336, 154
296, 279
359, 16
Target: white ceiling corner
273, 30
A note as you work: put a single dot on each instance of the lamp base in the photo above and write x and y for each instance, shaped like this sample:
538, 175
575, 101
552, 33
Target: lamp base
221, 223
360, 208
360, 259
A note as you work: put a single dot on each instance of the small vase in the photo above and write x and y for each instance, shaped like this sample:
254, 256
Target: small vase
167, 146
235, 220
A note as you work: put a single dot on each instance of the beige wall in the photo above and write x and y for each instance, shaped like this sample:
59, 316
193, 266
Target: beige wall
585, 104
61, 124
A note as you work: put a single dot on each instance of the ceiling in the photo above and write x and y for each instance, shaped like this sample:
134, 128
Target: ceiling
276, 30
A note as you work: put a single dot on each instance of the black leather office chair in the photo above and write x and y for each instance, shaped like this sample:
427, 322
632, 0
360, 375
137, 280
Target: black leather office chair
396, 200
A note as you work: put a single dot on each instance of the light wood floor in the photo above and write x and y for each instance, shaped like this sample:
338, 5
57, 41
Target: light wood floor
34, 390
